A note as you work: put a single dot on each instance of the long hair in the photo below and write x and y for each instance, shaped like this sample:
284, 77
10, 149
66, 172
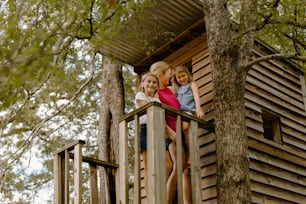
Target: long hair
182, 68
144, 77
159, 68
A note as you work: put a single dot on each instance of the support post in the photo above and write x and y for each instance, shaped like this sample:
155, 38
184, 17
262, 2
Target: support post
156, 155
195, 163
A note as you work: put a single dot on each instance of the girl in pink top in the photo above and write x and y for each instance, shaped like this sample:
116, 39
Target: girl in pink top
166, 95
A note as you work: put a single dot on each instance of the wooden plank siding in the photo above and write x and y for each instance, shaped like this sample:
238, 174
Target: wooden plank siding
277, 171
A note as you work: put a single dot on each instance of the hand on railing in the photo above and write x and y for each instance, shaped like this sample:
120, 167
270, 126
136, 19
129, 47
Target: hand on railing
171, 134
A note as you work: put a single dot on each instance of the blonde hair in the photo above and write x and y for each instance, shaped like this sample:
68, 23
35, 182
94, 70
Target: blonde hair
144, 77
159, 68
182, 68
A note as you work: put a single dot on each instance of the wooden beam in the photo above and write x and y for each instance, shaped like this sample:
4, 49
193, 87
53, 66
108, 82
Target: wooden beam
122, 192
156, 155
77, 173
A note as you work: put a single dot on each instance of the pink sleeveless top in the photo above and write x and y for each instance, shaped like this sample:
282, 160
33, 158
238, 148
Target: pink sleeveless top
167, 97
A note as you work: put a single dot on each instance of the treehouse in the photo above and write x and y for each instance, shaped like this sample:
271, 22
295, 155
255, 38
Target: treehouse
275, 103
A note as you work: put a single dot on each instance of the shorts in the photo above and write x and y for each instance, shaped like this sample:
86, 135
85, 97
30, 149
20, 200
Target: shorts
143, 138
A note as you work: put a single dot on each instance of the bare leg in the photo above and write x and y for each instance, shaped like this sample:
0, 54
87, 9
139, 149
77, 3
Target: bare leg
185, 129
169, 164
172, 180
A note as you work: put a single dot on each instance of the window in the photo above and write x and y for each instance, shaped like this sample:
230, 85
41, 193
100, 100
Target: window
271, 127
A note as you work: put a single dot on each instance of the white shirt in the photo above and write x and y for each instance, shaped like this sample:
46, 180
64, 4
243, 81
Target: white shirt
142, 96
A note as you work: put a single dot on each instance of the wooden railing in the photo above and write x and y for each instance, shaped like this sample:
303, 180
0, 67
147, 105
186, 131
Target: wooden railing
61, 173
156, 179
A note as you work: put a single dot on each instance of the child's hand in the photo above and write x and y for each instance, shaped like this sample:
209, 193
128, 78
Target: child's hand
200, 113
172, 136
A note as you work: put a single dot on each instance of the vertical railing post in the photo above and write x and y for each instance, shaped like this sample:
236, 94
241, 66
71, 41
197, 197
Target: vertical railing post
77, 173
137, 192
156, 155
57, 179
94, 199
66, 177
179, 150
122, 197
195, 163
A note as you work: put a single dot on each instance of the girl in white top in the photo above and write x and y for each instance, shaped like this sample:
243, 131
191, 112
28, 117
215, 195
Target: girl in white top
148, 89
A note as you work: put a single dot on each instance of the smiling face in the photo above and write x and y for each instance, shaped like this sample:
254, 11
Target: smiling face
182, 78
150, 85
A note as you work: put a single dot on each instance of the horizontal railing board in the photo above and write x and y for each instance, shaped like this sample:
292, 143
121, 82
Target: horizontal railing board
169, 111
68, 147
97, 162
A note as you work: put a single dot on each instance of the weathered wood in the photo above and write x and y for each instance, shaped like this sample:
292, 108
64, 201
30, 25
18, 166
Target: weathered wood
181, 56
277, 167
137, 187
276, 83
272, 103
277, 193
69, 146
157, 157
276, 93
195, 163
78, 173
66, 177
209, 181
122, 195
202, 72
93, 184
280, 183
303, 87
198, 58
179, 150
57, 179
209, 193
277, 151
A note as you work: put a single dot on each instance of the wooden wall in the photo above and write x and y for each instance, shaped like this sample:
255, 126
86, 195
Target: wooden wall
277, 169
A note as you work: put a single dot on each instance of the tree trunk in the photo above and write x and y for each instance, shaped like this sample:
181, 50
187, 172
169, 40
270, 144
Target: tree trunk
111, 108
229, 51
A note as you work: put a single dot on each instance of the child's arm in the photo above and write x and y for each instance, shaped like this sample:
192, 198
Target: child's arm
141, 102
195, 92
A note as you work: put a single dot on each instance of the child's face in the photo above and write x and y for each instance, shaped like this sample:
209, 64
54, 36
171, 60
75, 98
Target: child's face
182, 78
150, 85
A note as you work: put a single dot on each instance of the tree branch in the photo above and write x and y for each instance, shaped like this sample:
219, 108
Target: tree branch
276, 56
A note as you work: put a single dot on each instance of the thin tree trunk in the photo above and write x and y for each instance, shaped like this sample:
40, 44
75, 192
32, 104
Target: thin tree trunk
111, 108
229, 53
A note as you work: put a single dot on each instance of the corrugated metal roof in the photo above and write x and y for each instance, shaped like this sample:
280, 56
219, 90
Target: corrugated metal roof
162, 24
